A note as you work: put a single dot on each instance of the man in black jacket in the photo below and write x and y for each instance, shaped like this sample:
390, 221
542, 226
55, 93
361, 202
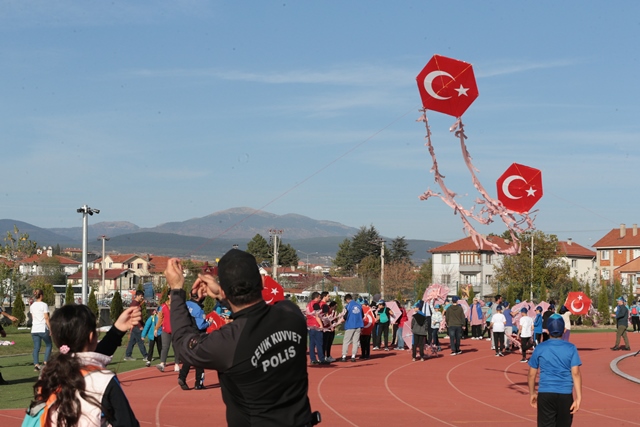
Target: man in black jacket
622, 323
260, 356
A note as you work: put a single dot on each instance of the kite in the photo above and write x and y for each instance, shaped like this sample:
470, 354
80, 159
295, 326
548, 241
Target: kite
272, 291
436, 294
578, 303
448, 86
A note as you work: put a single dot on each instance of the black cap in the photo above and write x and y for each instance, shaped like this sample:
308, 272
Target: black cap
238, 273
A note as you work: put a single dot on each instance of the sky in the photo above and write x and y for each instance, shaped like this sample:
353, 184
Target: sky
166, 110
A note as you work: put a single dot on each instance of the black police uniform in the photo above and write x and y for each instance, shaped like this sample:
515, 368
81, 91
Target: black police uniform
260, 358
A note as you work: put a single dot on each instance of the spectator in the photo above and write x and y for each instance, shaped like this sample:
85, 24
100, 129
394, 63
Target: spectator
136, 332
151, 332
455, 319
40, 328
622, 323
353, 324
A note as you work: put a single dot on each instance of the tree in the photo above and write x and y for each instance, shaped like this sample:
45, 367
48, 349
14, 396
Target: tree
399, 251
93, 304
165, 295
259, 248
69, 295
287, 256
472, 295
399, 279
209, 304
116, 308
603, 303
365, 244
48, 292
344, 260
423, 279
548, 267
17, 245
18, 308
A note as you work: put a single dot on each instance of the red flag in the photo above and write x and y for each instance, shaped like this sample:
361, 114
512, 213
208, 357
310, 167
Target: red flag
369, 320
578, 303
216, 321
272, 291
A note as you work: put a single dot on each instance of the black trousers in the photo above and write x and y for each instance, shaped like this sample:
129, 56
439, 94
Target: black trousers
158, 343
327, 342
476, 331
498, 341
365, 346
418, 344
554, 410
381, 329
635, 321
184, 371
525, 344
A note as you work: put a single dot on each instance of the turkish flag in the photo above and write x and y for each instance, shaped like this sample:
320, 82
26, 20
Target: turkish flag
447, 85
216, 321
578, 303
272, 291
520, 187
369, 320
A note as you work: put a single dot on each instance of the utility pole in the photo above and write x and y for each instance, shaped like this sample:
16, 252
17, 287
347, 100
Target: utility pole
102, 289
274, 238
85, 211
531, 292
382, 242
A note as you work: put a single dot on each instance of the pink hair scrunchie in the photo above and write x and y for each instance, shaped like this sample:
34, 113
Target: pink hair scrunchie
64, 349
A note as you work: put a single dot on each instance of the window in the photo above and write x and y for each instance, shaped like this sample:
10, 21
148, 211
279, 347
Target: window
110, 265
469, 258
636, 253
487, 279
605, 274
139, 266
446, 259
574, 263
446, 279
604, 255
489, 258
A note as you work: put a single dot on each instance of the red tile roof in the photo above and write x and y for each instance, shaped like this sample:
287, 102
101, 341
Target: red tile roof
632, 266
467, 245
95, 274
122, 258
158, 264
613, 240
36, 259
575, 250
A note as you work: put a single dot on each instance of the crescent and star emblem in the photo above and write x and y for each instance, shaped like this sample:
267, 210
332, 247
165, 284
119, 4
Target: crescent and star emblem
581, 304
505, 187
428, 85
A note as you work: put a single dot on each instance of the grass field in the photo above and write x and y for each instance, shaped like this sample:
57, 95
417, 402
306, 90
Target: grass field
16, 364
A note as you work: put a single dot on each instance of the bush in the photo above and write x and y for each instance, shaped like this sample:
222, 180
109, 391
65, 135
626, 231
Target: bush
18, 309
68, 295
93, 304
116, 307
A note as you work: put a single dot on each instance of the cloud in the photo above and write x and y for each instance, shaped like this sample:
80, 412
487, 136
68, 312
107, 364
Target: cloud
499, 68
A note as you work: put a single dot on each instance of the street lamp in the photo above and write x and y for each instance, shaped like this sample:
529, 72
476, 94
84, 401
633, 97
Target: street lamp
85, 210
304, 253
103, 238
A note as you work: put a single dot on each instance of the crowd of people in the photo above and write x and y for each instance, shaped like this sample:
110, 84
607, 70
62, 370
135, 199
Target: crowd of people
264, 347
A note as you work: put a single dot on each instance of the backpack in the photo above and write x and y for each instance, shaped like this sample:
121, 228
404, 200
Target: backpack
38, 412
634, 310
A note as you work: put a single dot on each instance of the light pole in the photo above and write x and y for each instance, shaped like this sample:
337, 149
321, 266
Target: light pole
274, 235
304, 253
85, 210
531, 292
103, 238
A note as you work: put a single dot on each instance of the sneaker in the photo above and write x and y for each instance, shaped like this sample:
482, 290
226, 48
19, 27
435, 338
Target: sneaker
497, 354
439, 349
343, 359
624, 348
459, 352
37, 368
523, 361
376, 348
315, 362
616, 348
160, 367
488, 339
176, 368
413, 360
454, 354
325, 362
353, 359
148, 363
386, 349
493, 348
422, 359
128, 359
199, 387
500, 354
182, 384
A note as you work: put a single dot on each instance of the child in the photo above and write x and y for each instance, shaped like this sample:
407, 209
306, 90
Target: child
498, 322
419, 328
436, 319
92, 397
537, 326
149, 331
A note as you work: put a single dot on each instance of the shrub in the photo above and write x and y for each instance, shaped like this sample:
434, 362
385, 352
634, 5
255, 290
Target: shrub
18, 309
93, 304
116, 306
68, 294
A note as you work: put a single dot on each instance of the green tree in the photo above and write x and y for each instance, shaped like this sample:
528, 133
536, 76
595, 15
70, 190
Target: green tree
48, 294
399, 251
365, 244
472, 295
209, 304
165, 295
259, 248
116, 308
603, 303
17, 245
69, 295
630, 294
548, 266
344, 260
287, 256
18, 308
93, 304
587, 290
423, 278
617, 291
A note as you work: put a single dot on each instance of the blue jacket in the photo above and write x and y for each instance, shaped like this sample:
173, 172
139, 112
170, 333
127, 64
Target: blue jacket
353, 318
197, 312
149, 327
537, 324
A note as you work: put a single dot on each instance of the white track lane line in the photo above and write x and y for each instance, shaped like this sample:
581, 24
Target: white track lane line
506, 374
386, 383
325, 402
478, 400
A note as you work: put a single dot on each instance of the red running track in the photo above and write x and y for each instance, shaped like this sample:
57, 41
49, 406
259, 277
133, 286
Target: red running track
472, 389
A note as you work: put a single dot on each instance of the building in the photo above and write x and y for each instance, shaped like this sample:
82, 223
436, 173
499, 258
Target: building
461, 263
617, 251
44, 262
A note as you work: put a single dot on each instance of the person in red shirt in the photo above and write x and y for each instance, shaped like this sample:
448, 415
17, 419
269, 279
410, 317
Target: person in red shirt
314, 326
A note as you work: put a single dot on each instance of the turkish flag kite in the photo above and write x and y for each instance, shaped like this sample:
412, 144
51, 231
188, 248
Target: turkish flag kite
216, 321
272, 291
447, 85
520, 187
369, 320
578, 303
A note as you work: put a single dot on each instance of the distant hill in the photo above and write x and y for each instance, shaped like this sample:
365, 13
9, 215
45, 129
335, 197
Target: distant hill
212, 235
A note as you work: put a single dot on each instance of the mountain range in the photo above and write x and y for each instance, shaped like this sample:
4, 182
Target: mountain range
209, 236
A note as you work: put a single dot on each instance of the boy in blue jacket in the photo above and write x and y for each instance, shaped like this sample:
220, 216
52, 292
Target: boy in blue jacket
149, 332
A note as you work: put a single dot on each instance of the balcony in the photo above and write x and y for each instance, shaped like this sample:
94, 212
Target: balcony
470, 268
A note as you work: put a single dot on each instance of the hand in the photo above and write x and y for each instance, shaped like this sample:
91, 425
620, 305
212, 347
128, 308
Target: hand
533, 400
128, 319
208, 283
174, 274
575, 407
155, 333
